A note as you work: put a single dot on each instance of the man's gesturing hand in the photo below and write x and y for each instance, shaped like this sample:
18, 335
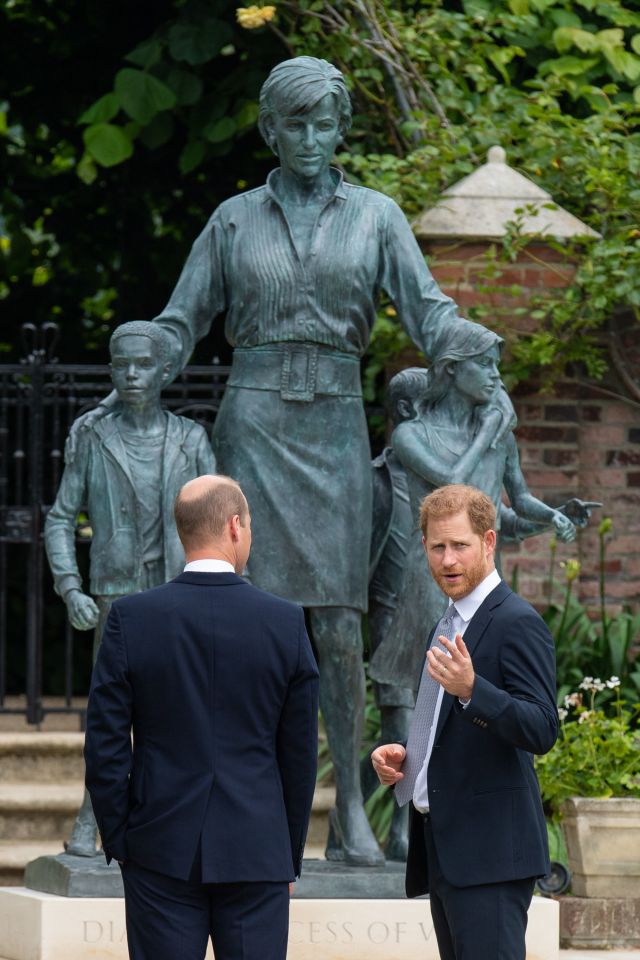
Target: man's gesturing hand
455, 672
387, 761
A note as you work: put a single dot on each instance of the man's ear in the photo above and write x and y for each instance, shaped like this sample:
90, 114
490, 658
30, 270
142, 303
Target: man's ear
450, 367
424, 545
166, 371
234, 527
490, 538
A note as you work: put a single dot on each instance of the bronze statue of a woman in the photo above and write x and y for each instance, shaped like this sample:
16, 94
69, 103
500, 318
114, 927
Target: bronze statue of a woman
296, 267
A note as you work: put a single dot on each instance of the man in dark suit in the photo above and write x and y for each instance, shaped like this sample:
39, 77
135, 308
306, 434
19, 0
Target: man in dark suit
207, 810
477, 837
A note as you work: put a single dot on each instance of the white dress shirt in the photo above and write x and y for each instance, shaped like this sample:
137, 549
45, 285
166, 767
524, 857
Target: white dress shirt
465, 609
209, 565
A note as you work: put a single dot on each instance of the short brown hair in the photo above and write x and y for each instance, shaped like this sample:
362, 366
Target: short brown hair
455, 498
199, 520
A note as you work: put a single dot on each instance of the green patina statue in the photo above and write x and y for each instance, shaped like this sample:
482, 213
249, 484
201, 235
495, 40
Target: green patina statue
125, 469
448, 431
295, 267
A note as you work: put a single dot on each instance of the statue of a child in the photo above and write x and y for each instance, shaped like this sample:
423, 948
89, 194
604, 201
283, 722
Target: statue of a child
126, 470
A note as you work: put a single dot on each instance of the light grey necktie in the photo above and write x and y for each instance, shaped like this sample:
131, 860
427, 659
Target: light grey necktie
423, 715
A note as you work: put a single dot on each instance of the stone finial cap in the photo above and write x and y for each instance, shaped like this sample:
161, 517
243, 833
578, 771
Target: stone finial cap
480, 205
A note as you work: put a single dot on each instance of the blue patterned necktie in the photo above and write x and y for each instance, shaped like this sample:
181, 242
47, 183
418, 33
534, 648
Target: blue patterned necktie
423, 716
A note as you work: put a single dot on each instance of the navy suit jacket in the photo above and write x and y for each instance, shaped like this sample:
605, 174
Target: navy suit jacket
218, 683
486, 812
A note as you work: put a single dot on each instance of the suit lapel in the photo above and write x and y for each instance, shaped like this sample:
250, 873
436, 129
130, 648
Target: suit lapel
472, 637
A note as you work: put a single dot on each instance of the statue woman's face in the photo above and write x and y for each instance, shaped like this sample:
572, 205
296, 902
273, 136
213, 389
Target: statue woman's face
306, 142
478, 377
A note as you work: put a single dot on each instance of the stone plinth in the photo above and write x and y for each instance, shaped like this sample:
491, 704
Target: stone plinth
40, 926
603, 845
599, 923
67, 876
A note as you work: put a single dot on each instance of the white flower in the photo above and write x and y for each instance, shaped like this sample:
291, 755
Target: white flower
585, 716
562, 713
613, 682
593, 684
573, 700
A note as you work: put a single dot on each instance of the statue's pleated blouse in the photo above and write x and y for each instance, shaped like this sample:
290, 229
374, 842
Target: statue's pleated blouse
304, 466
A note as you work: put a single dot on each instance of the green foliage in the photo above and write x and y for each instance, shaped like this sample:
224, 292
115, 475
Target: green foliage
604, 647
106, 171
123, 154
596, 754
555, 82
168, 92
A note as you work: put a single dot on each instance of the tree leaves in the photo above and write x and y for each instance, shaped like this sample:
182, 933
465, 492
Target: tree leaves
142, 95
102, 110
107, 144
199, 41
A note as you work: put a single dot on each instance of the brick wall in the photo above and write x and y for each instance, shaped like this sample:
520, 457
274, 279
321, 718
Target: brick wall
581, 441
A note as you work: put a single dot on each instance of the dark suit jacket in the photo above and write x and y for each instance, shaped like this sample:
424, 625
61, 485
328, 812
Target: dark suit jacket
486, 811
218, 681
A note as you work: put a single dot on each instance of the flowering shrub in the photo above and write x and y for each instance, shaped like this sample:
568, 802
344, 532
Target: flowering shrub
596, 755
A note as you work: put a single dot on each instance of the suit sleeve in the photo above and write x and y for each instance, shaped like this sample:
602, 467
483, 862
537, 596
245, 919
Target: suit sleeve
297, 745
108, 754
523, 710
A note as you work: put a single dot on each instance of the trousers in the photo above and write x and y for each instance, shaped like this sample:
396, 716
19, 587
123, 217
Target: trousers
482, 922
172, 919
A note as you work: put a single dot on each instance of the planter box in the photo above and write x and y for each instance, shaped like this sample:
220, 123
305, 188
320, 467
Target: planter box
603, 846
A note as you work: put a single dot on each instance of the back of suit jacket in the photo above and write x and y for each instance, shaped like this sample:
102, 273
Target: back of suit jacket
485, 806
219, 683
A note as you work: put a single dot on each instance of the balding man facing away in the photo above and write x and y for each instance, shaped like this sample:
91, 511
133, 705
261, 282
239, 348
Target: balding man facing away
207, 811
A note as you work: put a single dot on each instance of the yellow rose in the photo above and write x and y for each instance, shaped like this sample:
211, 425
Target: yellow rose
250, 18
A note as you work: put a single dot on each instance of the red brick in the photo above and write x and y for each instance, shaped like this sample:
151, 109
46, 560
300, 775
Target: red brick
530, 411
624, 545
609, 435
592, 457
567, 412
606, 479
539, 434
540, 251
448, 273
550, 478
469, 251
561, 458
623, 458
620, 413
590, 412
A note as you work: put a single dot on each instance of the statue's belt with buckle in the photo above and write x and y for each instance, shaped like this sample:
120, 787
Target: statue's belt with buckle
299, 371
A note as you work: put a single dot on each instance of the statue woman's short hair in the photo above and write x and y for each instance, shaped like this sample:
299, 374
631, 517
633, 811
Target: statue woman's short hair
295, 86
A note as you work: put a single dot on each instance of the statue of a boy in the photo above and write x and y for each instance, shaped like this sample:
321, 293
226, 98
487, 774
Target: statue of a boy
126, 470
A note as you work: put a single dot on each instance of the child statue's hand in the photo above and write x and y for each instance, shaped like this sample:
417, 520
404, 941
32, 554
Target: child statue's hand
565, 529
83, 612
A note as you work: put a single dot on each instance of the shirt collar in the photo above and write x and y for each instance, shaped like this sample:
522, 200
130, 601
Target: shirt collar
274, 176
209, 565
468, 605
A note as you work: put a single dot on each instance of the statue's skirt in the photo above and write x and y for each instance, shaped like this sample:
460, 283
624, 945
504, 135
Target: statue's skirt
292, 431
